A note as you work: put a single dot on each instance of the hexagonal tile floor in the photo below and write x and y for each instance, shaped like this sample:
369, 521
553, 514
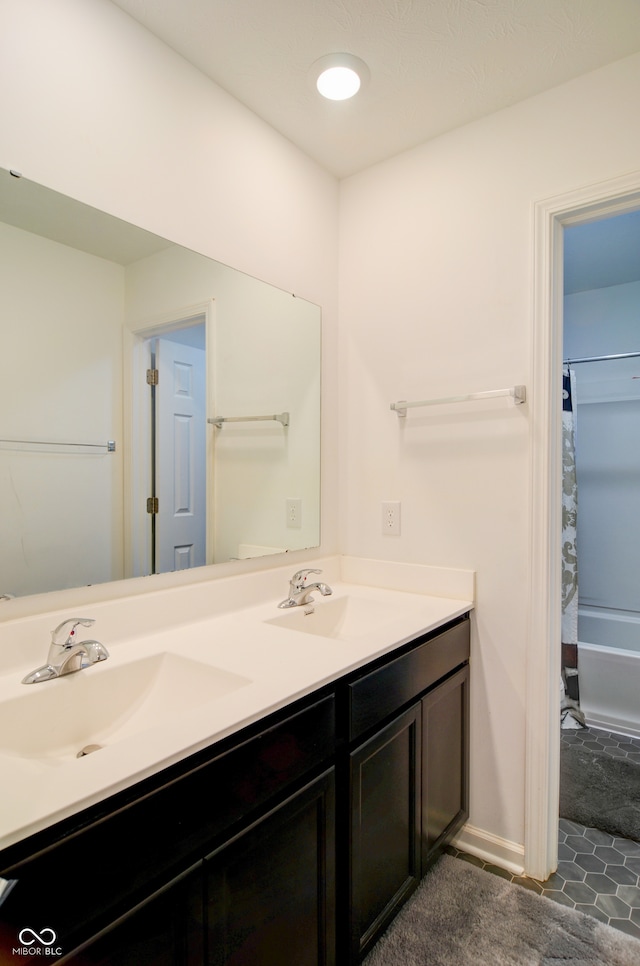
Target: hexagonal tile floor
597, 873
616, 746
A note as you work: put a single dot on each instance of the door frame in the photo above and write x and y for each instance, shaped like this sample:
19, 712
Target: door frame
542, 726
137, 426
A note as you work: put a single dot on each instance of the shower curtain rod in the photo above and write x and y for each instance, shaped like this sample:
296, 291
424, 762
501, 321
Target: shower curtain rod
619, 355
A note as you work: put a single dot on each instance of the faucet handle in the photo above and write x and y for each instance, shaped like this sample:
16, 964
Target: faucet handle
67, 629
299, 578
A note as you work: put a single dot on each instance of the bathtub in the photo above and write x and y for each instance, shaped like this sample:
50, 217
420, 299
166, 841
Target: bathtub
609, 669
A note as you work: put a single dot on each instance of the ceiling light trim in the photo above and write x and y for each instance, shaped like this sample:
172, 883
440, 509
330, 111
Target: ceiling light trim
329, 72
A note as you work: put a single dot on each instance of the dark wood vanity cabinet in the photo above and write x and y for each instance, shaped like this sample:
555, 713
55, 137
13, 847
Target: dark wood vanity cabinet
408, 778
293, 843
266, 897
134, 871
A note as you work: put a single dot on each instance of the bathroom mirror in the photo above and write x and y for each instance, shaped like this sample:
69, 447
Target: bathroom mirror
158, 410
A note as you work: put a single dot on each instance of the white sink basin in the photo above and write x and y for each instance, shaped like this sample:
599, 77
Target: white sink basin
102, 705
341, 618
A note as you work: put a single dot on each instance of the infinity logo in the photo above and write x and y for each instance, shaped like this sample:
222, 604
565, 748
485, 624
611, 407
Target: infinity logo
37, 938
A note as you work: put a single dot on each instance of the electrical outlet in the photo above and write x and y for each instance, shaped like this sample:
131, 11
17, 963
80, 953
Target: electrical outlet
391, 519
294, 514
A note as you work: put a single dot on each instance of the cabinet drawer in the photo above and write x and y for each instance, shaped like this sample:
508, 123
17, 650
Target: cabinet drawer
382, 692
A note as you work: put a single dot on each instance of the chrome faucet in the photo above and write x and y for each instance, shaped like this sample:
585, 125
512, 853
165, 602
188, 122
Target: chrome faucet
66, 654
300, 591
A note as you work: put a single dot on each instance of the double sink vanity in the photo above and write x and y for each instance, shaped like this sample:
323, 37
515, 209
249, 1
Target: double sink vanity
257, 785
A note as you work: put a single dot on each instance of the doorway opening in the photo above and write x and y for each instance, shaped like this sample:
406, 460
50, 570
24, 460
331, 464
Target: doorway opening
551, 217
600, 718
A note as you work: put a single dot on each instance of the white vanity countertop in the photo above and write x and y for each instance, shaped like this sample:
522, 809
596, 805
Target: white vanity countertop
262, 667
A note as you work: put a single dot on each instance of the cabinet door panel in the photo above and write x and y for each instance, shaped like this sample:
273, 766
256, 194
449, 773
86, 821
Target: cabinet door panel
270, 892
385, 827
166, 931
445, 806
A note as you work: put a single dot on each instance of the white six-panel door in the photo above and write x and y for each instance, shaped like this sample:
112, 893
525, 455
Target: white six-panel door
180, 457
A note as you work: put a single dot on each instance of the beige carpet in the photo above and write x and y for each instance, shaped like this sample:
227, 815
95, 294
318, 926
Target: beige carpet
461, 915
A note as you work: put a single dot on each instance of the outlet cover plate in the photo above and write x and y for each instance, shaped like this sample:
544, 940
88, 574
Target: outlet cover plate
391, 518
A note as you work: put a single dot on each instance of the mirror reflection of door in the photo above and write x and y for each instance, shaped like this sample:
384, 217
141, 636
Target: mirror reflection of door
178, 450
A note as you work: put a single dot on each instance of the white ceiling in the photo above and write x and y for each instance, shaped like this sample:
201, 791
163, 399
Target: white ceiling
435, 64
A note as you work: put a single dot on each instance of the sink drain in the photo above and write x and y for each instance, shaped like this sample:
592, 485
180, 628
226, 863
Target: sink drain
87, 750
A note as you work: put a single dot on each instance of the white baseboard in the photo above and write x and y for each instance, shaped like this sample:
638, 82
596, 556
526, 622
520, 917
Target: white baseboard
490, 848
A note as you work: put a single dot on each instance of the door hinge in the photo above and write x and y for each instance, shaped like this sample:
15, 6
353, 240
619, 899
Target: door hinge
152, 377
152, 504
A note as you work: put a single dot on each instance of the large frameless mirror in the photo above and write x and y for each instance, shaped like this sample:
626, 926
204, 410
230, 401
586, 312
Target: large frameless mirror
158, 410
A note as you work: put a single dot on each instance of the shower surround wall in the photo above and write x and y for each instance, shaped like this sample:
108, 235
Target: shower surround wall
602, 322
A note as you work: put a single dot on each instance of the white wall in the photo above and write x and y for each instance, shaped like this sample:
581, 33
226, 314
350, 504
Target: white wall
62, 313
95, 107
601, 322
436, 260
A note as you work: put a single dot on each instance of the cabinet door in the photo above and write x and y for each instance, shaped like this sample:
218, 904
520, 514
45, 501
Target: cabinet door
166, 931
385, 827
271, 890
445, 767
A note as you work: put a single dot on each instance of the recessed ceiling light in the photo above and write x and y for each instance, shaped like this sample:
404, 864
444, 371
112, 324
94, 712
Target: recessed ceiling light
339, 76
